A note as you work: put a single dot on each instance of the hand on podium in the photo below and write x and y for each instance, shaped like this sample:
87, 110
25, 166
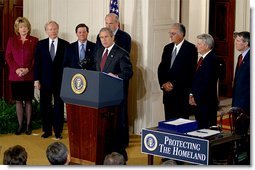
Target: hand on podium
113, 75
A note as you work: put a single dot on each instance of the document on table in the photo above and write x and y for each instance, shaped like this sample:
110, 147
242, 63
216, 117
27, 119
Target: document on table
179, 121
203, 132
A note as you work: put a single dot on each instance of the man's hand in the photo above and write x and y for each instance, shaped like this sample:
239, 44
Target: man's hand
113, 75
168, 86
192, 101
37, 85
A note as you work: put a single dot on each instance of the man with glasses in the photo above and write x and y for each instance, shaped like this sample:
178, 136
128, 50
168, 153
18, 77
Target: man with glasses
175, 72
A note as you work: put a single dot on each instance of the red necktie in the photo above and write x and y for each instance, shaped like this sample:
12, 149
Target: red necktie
199, 62
104, 59
240, 59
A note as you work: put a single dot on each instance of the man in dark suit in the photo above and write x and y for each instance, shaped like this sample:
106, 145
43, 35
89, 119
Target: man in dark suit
203, 96
79, 54
175, 73
116, 63
241, 88
122, 38
49, 57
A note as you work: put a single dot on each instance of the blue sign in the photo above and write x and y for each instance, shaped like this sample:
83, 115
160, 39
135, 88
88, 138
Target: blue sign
174, 146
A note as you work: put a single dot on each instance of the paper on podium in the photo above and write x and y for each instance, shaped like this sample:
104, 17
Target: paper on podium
203, 133
179, 121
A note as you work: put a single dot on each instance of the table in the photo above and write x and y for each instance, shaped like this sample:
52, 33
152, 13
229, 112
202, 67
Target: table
206, 145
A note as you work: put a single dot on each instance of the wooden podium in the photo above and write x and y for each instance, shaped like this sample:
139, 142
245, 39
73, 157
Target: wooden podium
92, 100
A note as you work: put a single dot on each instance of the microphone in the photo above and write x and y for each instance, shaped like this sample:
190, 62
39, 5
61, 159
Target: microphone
84, 63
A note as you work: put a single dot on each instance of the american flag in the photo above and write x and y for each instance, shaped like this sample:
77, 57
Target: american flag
114, 7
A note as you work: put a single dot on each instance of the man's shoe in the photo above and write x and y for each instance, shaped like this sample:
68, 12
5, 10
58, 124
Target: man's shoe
28, 132
58, 136
46, 135
124, 153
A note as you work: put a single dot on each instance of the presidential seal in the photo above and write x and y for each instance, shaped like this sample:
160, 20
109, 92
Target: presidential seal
150, 142
78, 83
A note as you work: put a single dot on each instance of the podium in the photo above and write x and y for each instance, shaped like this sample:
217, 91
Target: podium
92, 100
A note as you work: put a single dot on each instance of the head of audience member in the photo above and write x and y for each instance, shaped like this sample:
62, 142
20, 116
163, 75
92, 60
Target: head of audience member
15, 155
242, 40
114, 159
169, 162
52, 28
57, 154
22, 26
82, 32
112, 21
177, 33
204, 44
106, 37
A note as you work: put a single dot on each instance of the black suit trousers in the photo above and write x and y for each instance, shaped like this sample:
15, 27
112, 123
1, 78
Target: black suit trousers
52, 115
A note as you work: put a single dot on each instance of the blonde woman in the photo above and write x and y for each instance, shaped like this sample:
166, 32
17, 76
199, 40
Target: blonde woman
20, 58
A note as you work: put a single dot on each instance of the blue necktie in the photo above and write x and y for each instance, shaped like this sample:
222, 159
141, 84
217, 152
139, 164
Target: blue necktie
82, 52
52, 50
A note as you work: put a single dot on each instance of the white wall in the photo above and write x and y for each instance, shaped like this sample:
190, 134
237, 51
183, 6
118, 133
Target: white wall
195, 16
147, 21
242, 20
68, 13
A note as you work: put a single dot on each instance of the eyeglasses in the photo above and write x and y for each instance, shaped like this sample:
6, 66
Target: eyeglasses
172, 33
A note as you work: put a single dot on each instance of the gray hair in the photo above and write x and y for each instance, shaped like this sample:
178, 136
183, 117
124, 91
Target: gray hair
114, 159
180, 27
207, 39
57, 153
50, 22
115, 16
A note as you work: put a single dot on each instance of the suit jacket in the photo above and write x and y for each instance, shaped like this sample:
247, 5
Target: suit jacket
19, 55
204, 90
181, 72
122, 39
49, 72
204, 85
117, 62
72, 60
241, 88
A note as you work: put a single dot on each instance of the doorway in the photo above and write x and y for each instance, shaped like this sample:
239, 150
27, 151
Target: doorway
9, 11
221, 27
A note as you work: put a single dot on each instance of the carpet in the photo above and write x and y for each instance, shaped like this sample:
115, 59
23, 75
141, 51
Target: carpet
224, 106
225, 123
